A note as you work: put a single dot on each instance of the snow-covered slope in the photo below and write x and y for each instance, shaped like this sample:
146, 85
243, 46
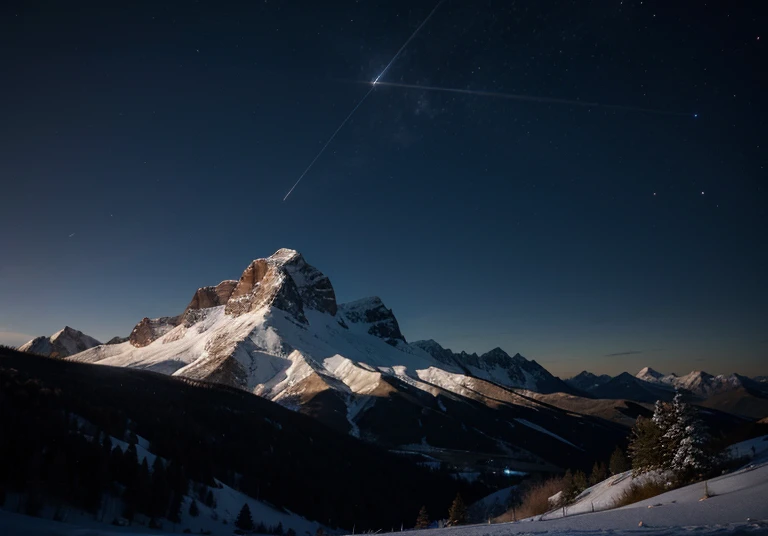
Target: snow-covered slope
63, 343
737, 506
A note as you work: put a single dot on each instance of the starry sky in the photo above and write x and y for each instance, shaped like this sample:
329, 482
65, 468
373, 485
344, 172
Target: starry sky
146, 149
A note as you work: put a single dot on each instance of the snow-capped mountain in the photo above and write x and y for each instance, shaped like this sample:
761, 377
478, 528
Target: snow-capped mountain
653, 376
63, 343
278, 332
586, 381
698, 382
497, 366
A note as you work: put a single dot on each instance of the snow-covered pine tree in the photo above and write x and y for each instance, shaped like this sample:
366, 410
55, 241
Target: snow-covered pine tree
664, 419
690, 458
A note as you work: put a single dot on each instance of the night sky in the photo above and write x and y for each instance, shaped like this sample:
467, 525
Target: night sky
145, 150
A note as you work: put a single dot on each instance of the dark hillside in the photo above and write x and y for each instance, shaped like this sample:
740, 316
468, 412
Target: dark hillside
285, 458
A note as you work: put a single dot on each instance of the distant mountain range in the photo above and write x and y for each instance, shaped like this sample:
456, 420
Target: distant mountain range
278, 332
733, 393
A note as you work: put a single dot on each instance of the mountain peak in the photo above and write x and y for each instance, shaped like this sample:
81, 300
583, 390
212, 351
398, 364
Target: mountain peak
63, 343
648, 372
283, 280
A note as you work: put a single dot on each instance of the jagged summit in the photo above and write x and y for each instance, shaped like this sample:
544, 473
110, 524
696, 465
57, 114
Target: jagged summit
498, 366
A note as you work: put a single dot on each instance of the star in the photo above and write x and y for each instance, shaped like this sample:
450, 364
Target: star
702, 193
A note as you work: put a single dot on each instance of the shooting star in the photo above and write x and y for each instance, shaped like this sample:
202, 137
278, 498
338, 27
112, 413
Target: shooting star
532, 98
375, 82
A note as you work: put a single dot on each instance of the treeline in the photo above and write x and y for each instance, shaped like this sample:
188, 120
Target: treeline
50, 458
251, 444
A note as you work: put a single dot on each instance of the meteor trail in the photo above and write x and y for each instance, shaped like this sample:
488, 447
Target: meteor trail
532, 98
373, 86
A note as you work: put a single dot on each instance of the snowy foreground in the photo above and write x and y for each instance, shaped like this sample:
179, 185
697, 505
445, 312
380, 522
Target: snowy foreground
739, 505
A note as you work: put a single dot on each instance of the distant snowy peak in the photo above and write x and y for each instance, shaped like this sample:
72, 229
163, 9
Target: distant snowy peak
63, 343
372, 314
499, 367
653, 376
587, 381
697, 382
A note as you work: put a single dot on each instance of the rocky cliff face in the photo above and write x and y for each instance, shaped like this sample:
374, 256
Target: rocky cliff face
374, 317
149, 330
284, 281
63, 343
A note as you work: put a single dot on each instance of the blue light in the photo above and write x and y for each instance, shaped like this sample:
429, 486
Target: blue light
695, 115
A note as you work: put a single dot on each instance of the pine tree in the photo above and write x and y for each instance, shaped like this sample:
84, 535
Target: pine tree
668, 441
143, 488
568, 491
210, 501
422, 522
161, 492
194, 511
244, 520
618, 462
646, 448
689, 458
598, 474
174, 508
579, 482
457, 513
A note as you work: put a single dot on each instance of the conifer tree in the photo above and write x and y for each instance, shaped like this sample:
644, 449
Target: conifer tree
598, 474
689, 458
579, 482
618, 462
568, 491
194, 511
664, 419
244, 520
457, 513
646, 448
210, 501
422, 522
174, 508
